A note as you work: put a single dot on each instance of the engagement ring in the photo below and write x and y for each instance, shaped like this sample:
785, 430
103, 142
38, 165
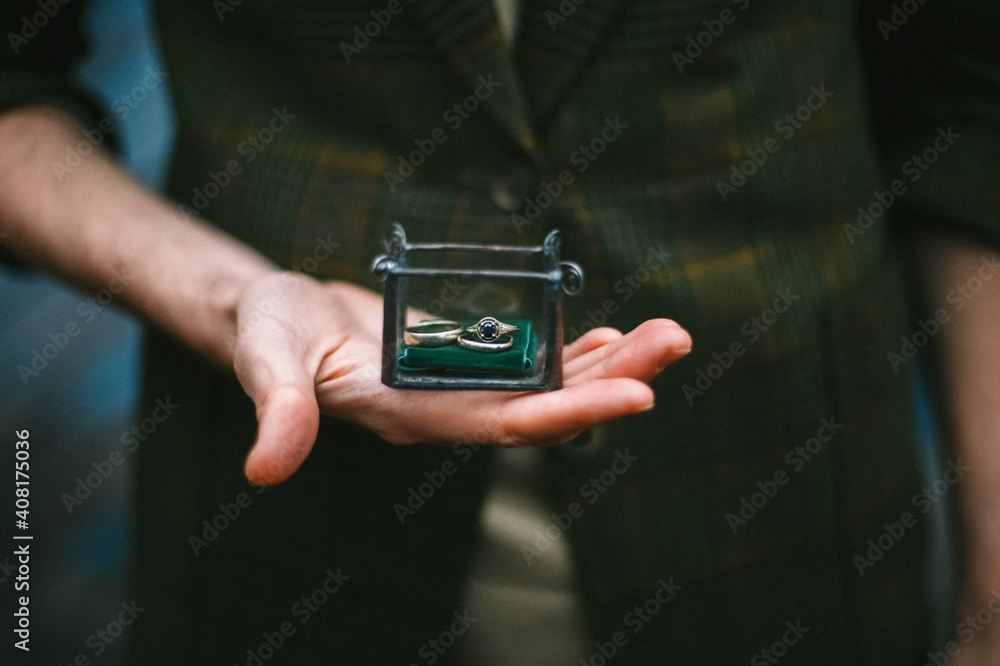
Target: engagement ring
489, 329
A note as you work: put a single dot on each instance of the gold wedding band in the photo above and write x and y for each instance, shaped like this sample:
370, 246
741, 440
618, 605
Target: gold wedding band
435, 333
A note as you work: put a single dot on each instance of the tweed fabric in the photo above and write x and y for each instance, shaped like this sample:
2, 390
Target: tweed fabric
767, 268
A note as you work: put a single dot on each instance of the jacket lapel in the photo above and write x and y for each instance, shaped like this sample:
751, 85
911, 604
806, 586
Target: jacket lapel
558, 38
467, 32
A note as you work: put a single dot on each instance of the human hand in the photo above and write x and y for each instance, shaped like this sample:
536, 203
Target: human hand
305, 348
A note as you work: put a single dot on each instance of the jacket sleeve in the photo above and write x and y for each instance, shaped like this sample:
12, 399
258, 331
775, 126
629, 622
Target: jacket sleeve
934, 83
43, 41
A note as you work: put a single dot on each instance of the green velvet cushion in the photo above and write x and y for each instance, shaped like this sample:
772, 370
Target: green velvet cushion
518, 359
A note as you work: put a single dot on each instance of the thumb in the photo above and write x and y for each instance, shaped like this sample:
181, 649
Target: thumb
287, 413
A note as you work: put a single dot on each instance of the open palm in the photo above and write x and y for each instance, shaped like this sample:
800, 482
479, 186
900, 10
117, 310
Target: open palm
305, 348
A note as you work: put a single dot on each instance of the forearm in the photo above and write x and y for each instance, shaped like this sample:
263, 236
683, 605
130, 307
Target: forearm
98, 228
971, 352
315, 349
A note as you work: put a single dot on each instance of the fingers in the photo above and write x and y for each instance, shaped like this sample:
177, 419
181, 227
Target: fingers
557, 416
640, 354
530, 419
287, 427
605, 378
605, 375
275, 378
589, 342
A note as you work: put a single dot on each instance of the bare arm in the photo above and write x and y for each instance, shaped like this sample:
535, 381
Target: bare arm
316, 347
971, 349
97, 225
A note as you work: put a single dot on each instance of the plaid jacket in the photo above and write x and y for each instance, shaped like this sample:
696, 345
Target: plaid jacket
727, 164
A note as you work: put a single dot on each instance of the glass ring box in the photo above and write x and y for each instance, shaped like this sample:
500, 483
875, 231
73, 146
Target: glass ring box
461, 316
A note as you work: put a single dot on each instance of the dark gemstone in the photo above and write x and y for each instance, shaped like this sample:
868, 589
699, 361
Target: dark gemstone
489, 330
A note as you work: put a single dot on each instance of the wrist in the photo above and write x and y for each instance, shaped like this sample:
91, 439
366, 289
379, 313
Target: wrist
222, 303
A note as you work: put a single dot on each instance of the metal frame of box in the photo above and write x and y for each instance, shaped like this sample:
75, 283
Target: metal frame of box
556, 277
